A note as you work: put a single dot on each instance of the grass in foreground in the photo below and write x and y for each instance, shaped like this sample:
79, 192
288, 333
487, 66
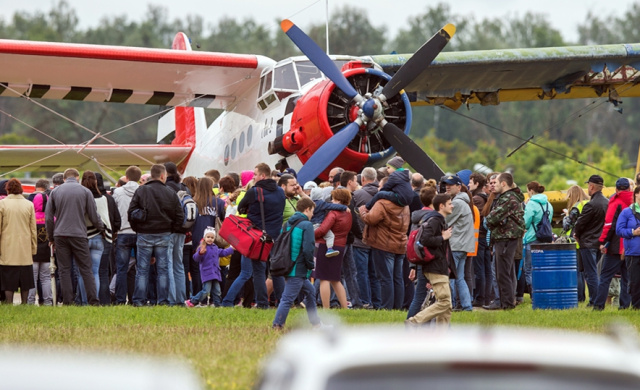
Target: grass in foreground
225, 346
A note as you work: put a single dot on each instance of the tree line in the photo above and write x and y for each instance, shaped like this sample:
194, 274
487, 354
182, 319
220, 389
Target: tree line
576, 128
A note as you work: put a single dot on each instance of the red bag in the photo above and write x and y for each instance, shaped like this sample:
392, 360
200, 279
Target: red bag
416, 252
247, 239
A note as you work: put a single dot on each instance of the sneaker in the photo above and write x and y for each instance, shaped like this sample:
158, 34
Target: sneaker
331, 253
188, 303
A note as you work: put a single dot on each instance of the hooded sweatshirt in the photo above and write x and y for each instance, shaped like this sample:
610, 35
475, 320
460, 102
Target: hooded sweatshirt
533, 212
123, 196
463, 237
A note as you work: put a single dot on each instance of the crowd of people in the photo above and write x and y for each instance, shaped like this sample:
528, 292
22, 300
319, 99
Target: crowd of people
154, 240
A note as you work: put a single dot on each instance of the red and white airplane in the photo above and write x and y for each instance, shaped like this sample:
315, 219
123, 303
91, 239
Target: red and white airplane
307, 113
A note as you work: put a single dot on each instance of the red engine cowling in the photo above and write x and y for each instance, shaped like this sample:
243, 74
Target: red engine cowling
325, 110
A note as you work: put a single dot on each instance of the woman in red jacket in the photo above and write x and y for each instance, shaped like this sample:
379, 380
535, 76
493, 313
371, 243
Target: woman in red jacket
328, 269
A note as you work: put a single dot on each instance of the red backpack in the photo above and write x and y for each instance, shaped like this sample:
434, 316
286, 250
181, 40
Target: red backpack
416, 252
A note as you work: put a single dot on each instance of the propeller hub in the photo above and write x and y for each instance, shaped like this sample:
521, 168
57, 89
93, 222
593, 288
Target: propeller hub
372, 109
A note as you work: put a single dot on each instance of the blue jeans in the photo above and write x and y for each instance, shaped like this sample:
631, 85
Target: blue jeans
420, 294
589, 263
177, 292
349, 272
528, 269
278, 287
105, 265
249, 268
152, 245
292, 288
611, 265
124, 244
207, 287
96, 247
483, 275
459, 287
366, 276
389, 273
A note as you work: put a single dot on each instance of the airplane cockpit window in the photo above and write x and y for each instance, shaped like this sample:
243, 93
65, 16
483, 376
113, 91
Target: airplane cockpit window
284, 77
308, 72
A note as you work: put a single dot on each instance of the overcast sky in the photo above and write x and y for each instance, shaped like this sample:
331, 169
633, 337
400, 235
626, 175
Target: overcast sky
564, 15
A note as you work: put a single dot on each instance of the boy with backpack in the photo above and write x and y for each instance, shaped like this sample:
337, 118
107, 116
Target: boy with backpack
302, 246
435, 237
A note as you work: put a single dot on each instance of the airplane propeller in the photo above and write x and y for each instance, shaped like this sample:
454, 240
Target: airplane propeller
371, 107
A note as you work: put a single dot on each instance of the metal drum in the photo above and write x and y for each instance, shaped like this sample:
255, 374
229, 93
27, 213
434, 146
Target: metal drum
554, 276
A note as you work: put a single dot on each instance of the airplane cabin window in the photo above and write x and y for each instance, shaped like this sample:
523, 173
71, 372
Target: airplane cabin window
226, 155
267, 82
234, 145
241, 142
285, 78
249, 135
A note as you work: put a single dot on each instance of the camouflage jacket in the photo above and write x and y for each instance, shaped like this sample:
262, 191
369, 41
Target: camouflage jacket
506, 219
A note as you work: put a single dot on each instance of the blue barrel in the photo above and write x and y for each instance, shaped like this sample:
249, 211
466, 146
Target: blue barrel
554, 276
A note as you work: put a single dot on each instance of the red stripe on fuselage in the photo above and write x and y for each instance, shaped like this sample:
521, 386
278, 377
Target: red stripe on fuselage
123, 53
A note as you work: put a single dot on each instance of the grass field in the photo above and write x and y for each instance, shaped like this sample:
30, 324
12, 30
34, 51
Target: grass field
225, 346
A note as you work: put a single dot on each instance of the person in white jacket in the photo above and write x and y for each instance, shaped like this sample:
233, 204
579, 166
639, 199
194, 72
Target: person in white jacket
126, 239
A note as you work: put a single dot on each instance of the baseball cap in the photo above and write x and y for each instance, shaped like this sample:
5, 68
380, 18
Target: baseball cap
452, 180
289, 171
309, 185
622, 183
595, 179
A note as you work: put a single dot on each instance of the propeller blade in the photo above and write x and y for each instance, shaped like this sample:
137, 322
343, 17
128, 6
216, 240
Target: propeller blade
328, 152
419, 61
318, 57
411, 152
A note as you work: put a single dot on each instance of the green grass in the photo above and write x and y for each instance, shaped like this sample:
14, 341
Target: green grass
225, 346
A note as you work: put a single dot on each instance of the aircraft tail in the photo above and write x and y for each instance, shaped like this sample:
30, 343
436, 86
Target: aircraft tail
186, 122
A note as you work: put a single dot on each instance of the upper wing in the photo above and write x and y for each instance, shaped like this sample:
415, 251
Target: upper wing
56, 158
489, 77
126, 74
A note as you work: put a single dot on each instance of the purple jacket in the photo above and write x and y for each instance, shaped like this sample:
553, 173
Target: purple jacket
210, 262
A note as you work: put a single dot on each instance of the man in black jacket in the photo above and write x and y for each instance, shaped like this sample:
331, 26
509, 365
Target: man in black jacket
587, 232
177, 286
273, 206
435, 237
154, 213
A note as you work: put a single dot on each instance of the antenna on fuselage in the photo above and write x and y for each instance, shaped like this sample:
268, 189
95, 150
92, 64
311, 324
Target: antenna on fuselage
327, 25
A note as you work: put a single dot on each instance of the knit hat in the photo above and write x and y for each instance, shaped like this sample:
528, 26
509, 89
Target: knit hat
397, 162
245, 177
209, 229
